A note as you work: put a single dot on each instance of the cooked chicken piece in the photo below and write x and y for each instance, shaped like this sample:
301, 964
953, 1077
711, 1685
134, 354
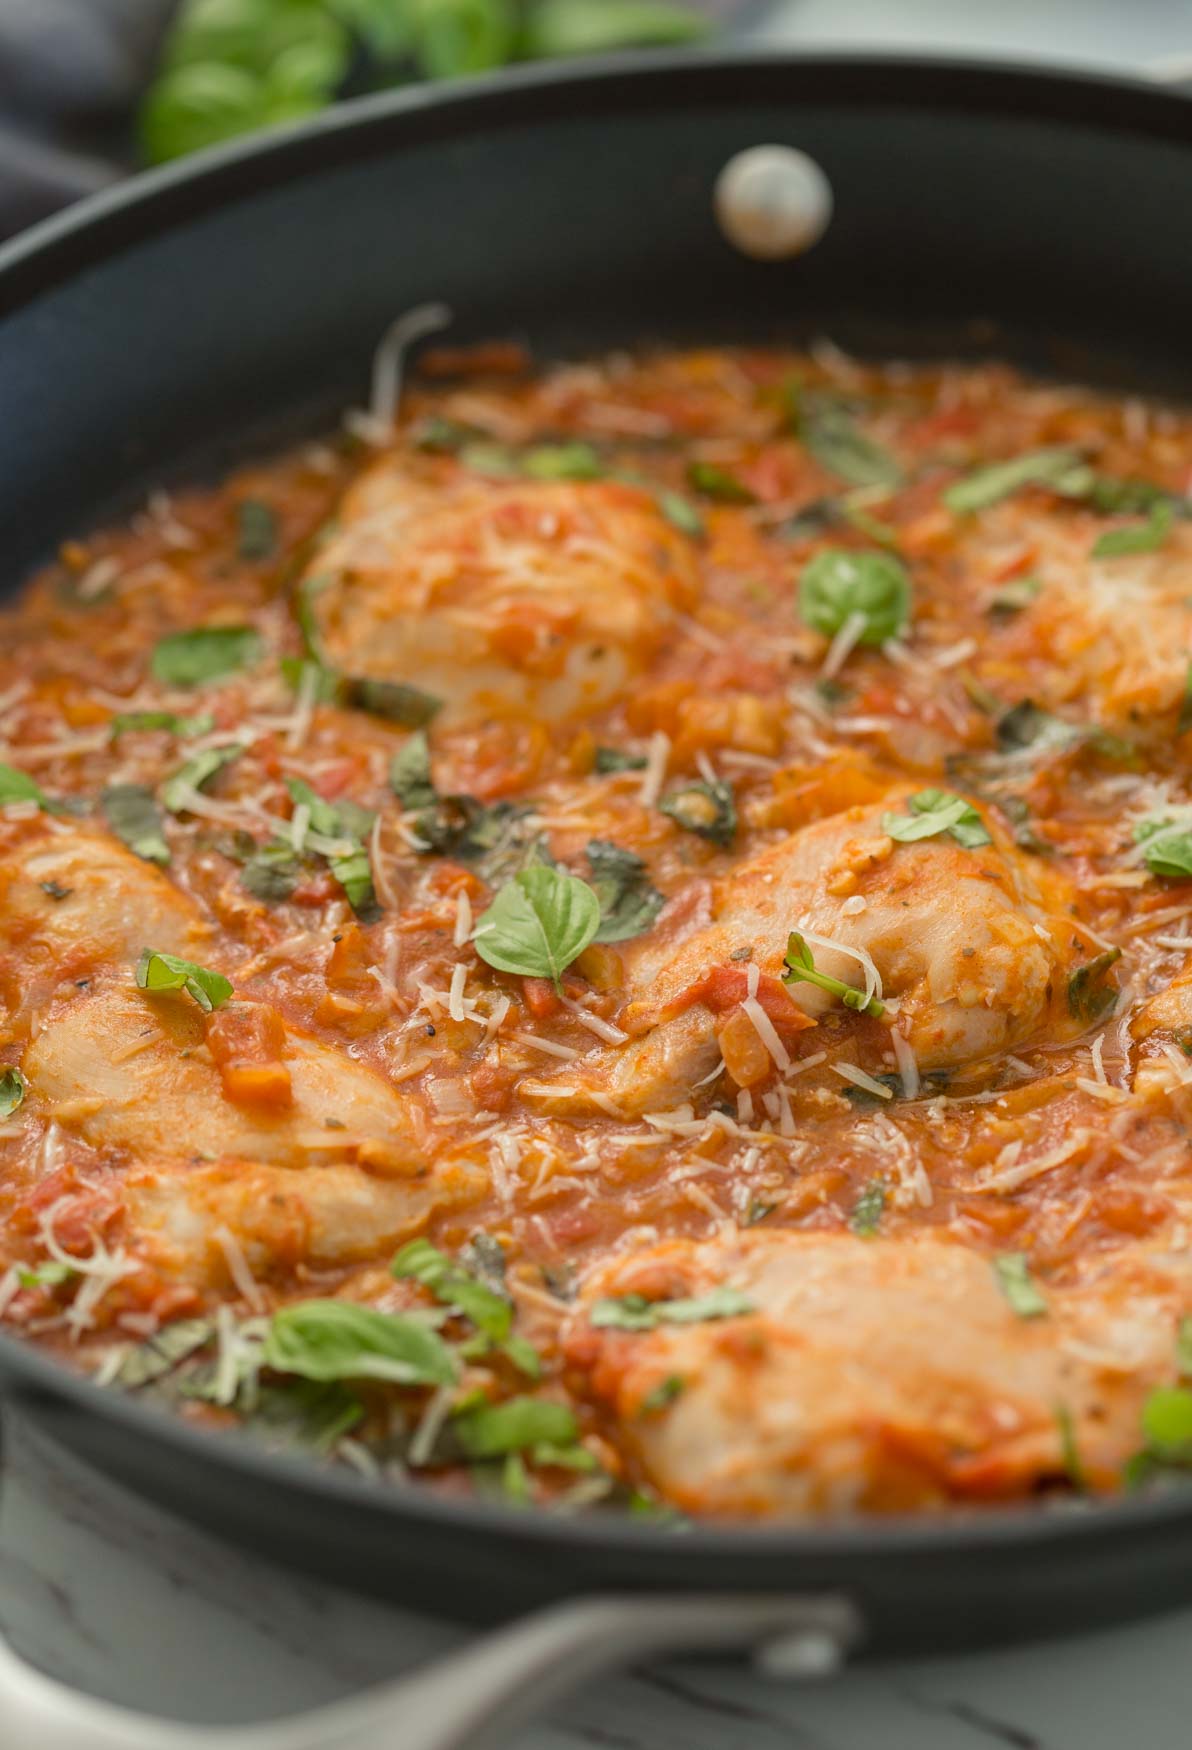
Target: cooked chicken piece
874, 1374
327, 1215
974, 946
499, 596
1163, 1026
134, 1072
73, 900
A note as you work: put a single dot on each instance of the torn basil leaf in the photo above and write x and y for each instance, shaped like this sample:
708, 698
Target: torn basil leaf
706, 809
396, 702
1028, 725
350, 825
12, 1090
52, 1274
1060, 468
718, 484
271, 872
1144, 537
1089, 991
410, 775
301, 1415
825, 425
615, 759
633, 1312
1167, 1424
495, 836
570, 461
131, 812
934, 812
663, 1395
168, 972
538, 923
681, 514
342, 1339
163, 1352
20, 787
517, 1425
866, 1217
1013, 597
1013, 1273
628, 902
839, 585
489, 1311
801, 969
1167, 847
440, 436
256, 530
128, 722
198, 771
192, 659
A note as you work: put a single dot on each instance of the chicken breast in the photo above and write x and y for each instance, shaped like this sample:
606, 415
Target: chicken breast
974, 947
544, 597
132, 1072
873, 1374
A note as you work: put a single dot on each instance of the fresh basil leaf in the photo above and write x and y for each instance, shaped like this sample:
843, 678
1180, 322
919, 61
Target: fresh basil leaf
538, 923
131, 812
838, 584
1059, 468
20, 787
1167, 847
867, 1210
615, 759
271, 872
1137, 537
349, 823
1128, 497
681, 514
1028, 725
192, 659
307, 593
451, 1286
1167, 1424
163, 1352
825, 425
596, 27
199, 770
439, 436
1013, 1273
518, 1424
1089, 991
12, 1090
167, 972
573, 461
934, 812
393, 700
718, 484
1015, 596
801, 969
494, 837
484, 1256
663, 1395
51, 1274
341, 1339
410, 775
302, 674
256, 525
708, 810
128, 722
628, 902
633, 1312
301, 1415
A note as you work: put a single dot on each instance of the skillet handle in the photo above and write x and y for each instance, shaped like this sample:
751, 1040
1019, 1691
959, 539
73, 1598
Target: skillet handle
470, 1700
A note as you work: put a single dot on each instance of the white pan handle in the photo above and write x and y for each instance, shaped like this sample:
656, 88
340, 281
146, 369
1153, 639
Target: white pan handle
471, 1700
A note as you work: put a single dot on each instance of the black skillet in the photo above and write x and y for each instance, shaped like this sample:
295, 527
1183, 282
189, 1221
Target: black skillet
152, 333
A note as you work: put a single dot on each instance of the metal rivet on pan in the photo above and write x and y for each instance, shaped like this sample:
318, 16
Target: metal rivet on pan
772, 202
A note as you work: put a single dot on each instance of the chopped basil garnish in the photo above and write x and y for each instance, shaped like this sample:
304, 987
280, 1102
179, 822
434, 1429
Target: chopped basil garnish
718, 484
538, 923
490, 1312
628, 902
167, 972
51, 1274
440, 436
1167, 1424
348, 825
1167, 847
633, 1312
839, 585
256, 526
1069, 1449
681, 514
131, 812
615, 759
1137, 537
1014, 596
1089, 991
1060, 468
572, 461
20, 787
934, 812
709, 810
199, 770
12, 1091
801, 969
128, 722
517, 1425
341, 1339
303, 1415
493, 836
271, 872
191, 659
663, 1395
825, 425
1013, 1273
162, 1353
409, 773
866, 1218
394, 700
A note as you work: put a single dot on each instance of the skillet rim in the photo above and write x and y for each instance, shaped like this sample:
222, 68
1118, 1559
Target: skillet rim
104, 225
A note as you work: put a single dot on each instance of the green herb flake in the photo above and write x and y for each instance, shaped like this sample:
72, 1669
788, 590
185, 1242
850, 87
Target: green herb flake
1070, 1450
628, 902
52, 1274
615, 759
866, 1218
12, 1090
256, 530
407, 706
189, 779
1013, 1273
451, 1286
341, 1339
271, 872
167, 972
1167, 847
633, 1312
131, 812
1090, 993
572, 461
1015, 596
163, 1352
1145, 537
934, 812
1167, 1424
516, 1425
538, 923
663, 1395
20, 787
801, 969
826, 425
137, 722
192, 659
681, 514
871, 589
410, 775
718, 484
1060, 469
439, 436
1184, 721
707, 809
345, 825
